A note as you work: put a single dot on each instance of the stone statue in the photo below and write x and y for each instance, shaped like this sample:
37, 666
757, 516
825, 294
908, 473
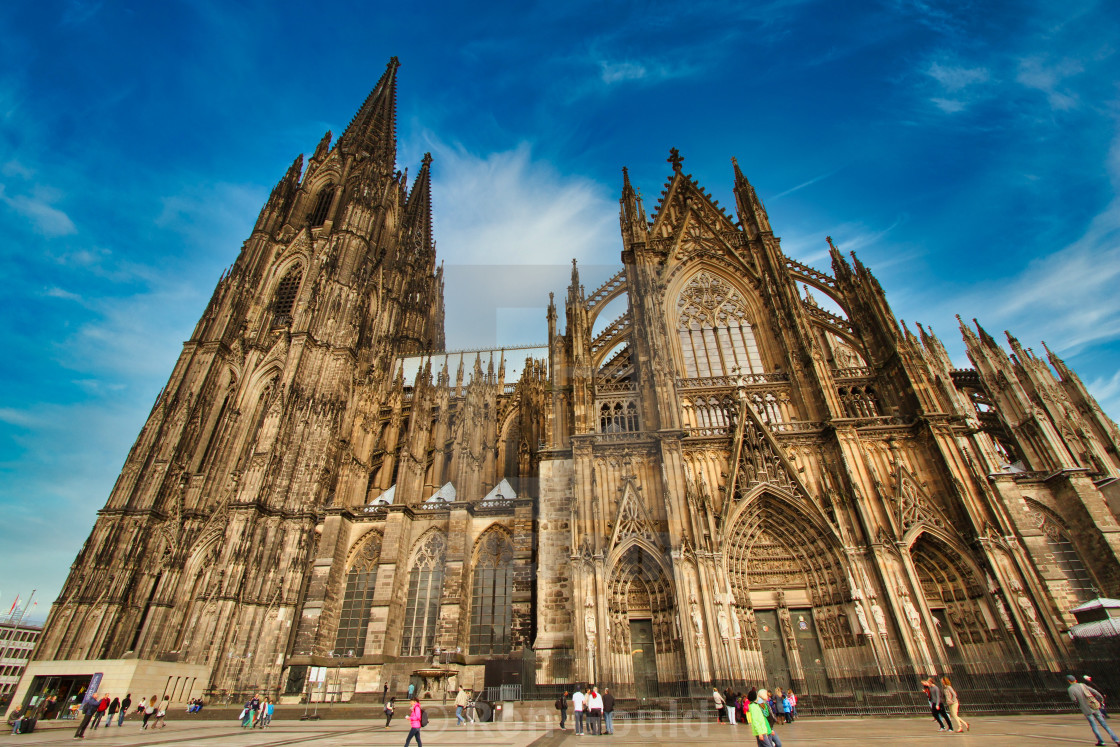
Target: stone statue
1002, 610
589, 622
724, 625
736, 630
913, 617
880, 618
697, 622
861, 615
1032, 616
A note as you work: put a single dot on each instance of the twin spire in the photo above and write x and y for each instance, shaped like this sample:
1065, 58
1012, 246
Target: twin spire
374, 128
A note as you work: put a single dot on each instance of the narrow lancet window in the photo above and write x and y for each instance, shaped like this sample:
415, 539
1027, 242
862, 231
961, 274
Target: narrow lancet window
283, 303
322, 205
360, 583
425, 584
492, 596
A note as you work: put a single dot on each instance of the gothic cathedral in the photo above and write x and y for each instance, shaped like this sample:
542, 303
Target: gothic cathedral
754, 474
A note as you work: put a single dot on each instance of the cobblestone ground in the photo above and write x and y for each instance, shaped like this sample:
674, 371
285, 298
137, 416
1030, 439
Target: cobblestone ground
910, 732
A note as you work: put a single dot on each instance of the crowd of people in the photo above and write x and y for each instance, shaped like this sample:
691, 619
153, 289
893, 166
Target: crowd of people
257, 713
593, 711
758, 708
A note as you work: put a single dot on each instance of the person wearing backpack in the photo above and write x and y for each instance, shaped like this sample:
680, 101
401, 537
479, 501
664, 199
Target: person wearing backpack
562, 706
417, 719
760, 721
1090, 701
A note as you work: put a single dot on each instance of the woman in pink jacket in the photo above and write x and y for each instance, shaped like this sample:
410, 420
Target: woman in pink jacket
414, 718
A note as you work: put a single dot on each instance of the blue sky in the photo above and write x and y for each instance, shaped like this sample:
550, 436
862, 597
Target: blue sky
969, 152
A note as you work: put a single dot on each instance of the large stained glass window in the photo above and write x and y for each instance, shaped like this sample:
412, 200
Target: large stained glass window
357, 600
425, 584
716, 337
492, 596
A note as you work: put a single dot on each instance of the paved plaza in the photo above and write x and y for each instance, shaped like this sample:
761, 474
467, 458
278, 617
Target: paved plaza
912, 732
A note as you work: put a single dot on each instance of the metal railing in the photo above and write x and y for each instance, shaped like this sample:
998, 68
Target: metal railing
997, 685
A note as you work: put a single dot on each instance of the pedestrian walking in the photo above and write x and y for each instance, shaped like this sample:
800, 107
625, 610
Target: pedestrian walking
411, 690
608, 710
462, 700
577, 710
149, 711
267, 709
595, 711
953, 701
1089, 681
760, 721
933, 696
389, 706
161, 712
791, 709
561, 705
720, 703
102, 708
1090, 702
114, 706
415, 722
125, 705
88, 708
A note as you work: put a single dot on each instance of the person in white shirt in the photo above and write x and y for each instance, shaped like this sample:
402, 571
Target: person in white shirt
595, 711
577, 709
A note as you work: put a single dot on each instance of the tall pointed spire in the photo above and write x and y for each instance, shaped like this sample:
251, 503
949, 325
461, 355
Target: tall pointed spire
374, 127
418, 211
633, 214
751, 212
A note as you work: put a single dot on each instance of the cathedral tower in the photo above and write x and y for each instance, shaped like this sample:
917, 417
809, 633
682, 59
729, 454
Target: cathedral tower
201, 554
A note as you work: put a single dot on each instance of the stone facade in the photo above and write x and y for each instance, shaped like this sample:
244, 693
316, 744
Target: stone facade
730, 481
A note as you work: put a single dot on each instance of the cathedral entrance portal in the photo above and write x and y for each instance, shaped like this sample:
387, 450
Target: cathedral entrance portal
812, 659
948, 636
644, 656
773, 651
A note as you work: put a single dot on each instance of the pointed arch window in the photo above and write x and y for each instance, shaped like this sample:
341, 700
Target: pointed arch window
492, 596
285, 299
1068, 560
715, 335
350, 640
618, 417
425, 584
322, 205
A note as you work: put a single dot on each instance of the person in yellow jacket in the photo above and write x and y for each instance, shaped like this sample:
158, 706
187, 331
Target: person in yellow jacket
760, 721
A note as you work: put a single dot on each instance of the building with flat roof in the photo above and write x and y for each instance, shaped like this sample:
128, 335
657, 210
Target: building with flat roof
17, 642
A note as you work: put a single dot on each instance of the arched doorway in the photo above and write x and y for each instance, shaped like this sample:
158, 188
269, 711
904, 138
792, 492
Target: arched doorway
782, 566
965, 629
644, 642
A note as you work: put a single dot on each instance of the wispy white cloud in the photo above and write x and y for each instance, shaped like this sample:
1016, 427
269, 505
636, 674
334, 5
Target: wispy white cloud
958, 86
647, 71
509, 207
1106, 390
956, 77
613, 72
1042, 74
803, 185
37, 208
56, 292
